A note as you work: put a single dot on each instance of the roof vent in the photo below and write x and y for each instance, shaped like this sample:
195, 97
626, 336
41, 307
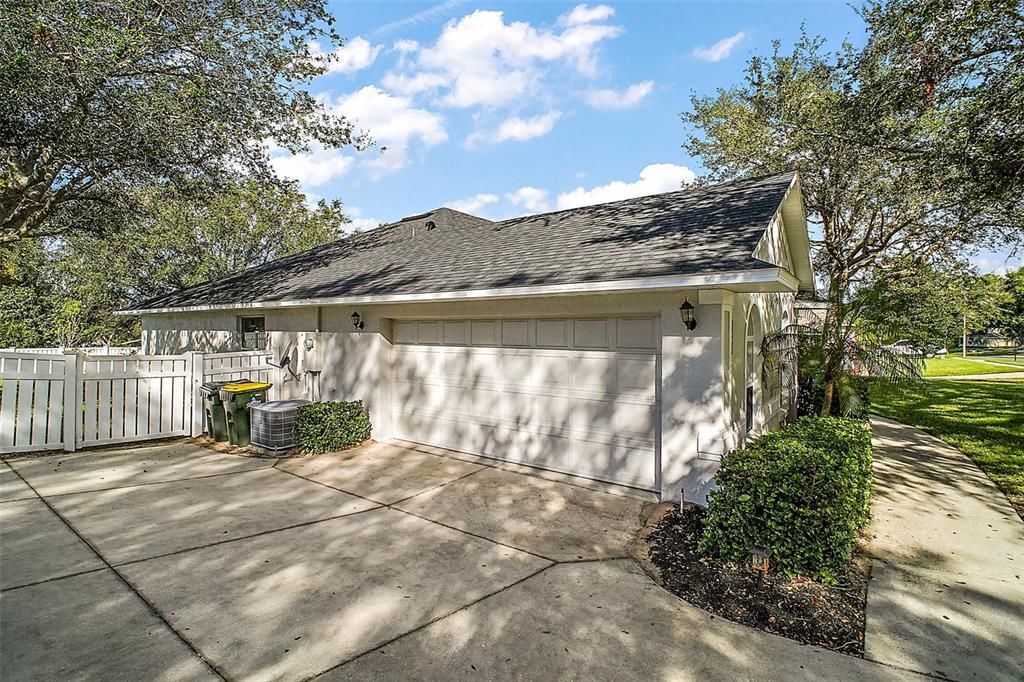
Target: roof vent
431, 224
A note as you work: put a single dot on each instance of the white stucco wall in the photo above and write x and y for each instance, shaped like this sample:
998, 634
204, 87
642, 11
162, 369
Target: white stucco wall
701, 418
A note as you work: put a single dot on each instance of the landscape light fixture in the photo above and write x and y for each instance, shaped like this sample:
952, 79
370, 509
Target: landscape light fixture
760, 560
686, 312
357, 321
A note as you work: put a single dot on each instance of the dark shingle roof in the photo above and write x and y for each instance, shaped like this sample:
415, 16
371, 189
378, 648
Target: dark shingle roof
695, 230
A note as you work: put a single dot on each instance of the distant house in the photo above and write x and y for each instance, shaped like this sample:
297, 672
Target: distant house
618, 342
991, 339
810, 313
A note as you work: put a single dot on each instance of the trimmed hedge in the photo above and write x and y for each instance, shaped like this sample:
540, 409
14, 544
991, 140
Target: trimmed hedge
323, 427
801, 493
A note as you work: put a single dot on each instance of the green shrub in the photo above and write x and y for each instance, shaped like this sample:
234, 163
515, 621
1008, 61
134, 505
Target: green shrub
801, 493
851, 399
323, 427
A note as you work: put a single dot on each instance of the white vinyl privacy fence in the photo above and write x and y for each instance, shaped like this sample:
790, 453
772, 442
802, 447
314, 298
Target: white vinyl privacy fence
70, 401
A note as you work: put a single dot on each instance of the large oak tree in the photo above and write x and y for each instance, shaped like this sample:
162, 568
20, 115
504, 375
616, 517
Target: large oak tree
100, 96
879, 146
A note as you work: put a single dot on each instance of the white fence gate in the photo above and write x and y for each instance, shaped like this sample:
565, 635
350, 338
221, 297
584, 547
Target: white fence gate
52, 402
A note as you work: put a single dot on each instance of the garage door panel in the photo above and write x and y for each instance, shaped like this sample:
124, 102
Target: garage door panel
482, 403
636, 374
429, 332
552, 411
613, 460
637, 333
516, 368
483, 332
412, 395
552, 370
552, 451
595, 373
611, 417
589, 411
455, 333
517, 408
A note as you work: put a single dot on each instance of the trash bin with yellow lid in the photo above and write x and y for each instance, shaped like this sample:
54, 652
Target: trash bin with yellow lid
236, 398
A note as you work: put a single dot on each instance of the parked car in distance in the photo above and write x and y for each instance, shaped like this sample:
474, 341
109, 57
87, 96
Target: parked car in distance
908, 347
904, 347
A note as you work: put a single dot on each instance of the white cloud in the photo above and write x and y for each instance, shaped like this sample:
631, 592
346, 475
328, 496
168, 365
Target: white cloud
392, 121
405, 46
473, 204
585, 14
516, 129
412, 84
312, 169
359, 222
479, 60
619, 99
355, 55
533, 199
520, 129
654, 179
720, 50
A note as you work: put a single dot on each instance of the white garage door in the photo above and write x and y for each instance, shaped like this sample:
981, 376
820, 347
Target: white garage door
572, 395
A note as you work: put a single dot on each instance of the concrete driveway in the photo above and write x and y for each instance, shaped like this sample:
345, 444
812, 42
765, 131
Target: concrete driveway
172, 562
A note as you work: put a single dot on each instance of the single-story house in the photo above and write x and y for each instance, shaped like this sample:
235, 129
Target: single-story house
618, 342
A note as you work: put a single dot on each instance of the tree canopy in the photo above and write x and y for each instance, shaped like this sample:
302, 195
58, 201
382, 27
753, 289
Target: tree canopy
105, 96
934, 304
65, 291
892, 173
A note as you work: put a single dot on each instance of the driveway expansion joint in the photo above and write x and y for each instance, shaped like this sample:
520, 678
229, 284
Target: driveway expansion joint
443, 616
108, 566
53, 579
261, 533
392, 506
143, 484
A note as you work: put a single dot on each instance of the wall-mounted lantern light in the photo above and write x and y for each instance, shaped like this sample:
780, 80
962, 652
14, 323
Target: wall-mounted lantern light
686, 312
357, 321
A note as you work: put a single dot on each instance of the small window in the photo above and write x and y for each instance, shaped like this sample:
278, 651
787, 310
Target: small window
751, 370
750, 409
254, 333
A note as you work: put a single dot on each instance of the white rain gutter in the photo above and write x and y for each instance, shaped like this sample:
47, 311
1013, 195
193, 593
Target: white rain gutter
767, 279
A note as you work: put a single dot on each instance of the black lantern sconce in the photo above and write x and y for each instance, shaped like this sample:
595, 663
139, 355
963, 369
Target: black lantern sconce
686, 312
357, 321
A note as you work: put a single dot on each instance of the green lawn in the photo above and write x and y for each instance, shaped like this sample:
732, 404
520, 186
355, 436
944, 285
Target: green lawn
984, 419
957, 366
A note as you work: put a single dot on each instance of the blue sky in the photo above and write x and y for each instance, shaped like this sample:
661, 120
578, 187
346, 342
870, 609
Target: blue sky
507, 108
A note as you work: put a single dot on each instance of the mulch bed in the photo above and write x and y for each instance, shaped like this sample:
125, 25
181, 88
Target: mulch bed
829, 616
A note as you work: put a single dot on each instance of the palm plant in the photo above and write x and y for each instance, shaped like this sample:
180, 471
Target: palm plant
799, 355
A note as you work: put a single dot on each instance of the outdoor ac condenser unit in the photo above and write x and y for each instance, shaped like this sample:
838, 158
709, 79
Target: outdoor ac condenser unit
272, 424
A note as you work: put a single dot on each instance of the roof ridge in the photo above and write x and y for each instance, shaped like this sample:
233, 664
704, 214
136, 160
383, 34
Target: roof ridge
681, 190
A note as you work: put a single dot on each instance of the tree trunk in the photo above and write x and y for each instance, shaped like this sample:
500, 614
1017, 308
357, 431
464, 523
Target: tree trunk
826, 401
833, 368
963, 346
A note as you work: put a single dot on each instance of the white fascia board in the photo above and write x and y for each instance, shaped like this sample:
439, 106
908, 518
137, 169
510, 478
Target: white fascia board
766, 279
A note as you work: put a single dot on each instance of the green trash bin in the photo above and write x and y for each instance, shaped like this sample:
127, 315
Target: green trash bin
213, 408
236, 398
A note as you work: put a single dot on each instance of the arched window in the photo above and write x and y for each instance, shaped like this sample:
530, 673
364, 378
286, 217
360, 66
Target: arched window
752, 369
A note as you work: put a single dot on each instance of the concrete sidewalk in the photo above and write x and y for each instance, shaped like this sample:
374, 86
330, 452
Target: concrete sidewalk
982, 377
947, 595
